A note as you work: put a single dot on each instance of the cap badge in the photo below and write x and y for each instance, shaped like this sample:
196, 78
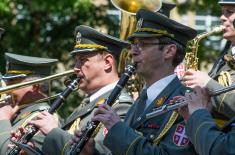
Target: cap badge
78, 38
139, 23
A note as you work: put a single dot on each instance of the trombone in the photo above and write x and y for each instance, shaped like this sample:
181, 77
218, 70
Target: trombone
181, 103
9, 88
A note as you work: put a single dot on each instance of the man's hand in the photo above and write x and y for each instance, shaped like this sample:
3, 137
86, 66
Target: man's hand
199, 99
8, 112
106, 115
196, 78
89, 148
45, 122
16, 136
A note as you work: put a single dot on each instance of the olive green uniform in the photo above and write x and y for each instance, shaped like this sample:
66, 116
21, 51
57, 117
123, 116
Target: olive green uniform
23, 67
207, 137
223, 104
136, 136
23, 116
56, 141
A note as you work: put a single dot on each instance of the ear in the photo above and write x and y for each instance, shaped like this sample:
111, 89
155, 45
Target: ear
108, 61
170, 51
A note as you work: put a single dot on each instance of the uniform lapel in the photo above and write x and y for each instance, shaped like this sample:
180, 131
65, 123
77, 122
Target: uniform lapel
218, 65
83, 111
166, 93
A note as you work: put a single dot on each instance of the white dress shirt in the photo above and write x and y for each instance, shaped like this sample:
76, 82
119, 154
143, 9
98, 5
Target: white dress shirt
156, 88
103, 90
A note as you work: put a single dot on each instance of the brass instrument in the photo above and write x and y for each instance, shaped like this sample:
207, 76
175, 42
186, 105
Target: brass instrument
181, 102
7, 99
191, 60
10, 88
31, 130
128, 10
4, 98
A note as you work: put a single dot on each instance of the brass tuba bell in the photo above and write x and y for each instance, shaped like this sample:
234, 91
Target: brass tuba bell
132, 6
128, 10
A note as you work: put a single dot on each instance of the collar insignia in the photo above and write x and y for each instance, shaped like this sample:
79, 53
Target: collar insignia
160, 101
100, 102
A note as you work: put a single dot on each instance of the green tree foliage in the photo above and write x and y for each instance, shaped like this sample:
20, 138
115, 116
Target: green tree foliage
46, 29
209, 6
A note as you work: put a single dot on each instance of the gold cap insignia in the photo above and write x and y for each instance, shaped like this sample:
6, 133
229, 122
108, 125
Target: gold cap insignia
160, 101
78, 38
100, 102
139, 23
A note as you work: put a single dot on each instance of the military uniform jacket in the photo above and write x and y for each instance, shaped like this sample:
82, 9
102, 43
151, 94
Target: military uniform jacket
224, 103
207, 138
23, 116
56, 142
136, 136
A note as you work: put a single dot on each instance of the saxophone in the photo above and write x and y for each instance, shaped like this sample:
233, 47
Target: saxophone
191, 60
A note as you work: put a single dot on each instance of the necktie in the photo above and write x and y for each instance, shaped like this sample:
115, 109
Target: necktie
141, 103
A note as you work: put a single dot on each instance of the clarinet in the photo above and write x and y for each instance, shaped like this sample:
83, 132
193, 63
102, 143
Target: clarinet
32, 130
91, 126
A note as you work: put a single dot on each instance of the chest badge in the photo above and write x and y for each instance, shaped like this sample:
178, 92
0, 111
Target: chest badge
100, 102
160, 101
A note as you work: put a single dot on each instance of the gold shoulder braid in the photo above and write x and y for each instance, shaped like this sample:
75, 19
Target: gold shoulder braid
168, 125
225, 80
230, 60
75, 126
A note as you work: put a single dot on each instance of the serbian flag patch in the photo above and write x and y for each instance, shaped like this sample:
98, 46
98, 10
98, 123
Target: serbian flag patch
180, 138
